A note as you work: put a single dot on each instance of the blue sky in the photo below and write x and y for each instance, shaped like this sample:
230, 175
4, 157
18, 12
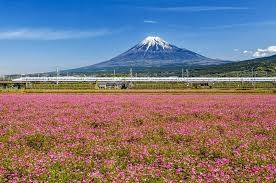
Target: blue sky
38, 35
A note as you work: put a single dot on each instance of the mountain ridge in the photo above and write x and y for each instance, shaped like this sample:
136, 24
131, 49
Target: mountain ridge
153, 52
263, 66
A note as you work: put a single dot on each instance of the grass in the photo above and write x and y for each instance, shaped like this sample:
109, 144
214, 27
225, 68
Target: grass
272, 91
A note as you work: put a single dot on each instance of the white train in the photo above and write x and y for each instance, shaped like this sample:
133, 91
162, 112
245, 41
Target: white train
145, 79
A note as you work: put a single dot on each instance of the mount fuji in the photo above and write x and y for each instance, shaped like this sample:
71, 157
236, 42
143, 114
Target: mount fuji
153, 52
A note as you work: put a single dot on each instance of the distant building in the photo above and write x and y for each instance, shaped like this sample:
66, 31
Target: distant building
114, 85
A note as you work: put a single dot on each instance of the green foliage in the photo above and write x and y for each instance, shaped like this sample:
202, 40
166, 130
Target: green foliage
152, 179
123, 152
39, 142
261, 67
75, 86
179, 138
59, 173
138, 122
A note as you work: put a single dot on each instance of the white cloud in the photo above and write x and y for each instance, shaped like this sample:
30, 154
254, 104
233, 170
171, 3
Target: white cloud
241, 25
150, 21
197, 8
265, 52
49, 34
236, 49
247, 52
260, 52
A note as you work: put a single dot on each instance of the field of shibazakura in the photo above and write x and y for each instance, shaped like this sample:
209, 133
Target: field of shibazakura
137, 138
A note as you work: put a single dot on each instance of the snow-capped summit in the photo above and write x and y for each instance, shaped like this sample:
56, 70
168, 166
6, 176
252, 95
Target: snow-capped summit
155, 42
154, 52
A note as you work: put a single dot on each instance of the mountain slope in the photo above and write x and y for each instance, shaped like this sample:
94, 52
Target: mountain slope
260, 66
153, 52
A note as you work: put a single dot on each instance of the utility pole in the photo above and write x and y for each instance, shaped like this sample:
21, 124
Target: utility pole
114, 73
187, 73
253, 79
57, 75
130, 72
182, 73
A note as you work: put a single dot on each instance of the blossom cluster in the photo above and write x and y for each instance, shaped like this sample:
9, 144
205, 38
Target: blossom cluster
137, 138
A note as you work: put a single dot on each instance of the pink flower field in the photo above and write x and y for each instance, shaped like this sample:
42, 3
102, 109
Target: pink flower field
137, 138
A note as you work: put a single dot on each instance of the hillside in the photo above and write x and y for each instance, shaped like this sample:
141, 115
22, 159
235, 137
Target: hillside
261, 67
